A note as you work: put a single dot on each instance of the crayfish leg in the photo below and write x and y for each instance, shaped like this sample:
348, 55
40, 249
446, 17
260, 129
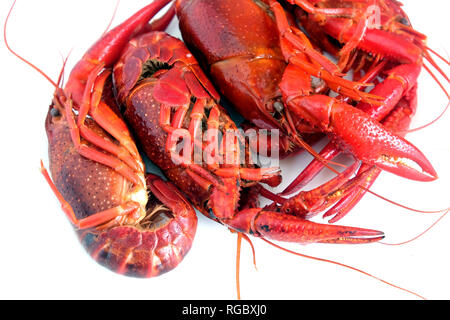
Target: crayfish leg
308, 203
94, 220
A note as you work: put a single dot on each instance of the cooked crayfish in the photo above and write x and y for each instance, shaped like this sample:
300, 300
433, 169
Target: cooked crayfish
89, 123
164, 91
132, 223
276, 78
378, 41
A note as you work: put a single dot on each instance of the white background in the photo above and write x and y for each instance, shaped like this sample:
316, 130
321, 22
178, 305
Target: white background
40, 256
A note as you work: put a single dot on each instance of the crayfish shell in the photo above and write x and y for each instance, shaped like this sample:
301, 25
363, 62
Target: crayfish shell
155, 243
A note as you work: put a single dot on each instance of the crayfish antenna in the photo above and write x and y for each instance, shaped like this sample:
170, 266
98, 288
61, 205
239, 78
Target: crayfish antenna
19, 56
343, 265
445, 211
441, 72
241, 235
246, 238
445, 109
419, 235
435, 65
401, 205
431, 122
437, 54
60, 81
238, 265
112, 18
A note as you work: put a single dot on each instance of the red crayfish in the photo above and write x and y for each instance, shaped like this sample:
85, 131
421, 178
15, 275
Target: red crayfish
164, 90
277, 78
99, 176
130, 222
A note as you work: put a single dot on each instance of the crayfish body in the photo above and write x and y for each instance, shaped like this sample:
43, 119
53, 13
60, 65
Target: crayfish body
133, 223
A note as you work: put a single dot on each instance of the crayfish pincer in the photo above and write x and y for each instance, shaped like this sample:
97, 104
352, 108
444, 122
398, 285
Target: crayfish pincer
130, 222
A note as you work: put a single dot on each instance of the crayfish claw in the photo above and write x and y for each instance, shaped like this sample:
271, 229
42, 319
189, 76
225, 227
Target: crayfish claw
288, 228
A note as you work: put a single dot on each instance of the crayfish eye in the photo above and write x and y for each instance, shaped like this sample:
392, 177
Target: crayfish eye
150, 67
54, 112
404, 21
278, 106
277, 109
